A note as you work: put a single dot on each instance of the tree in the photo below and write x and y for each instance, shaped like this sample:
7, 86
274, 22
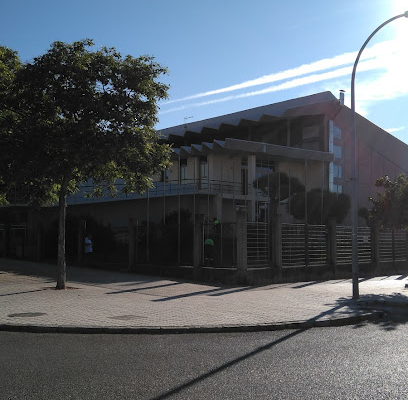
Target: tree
279, 187
9, 65
334, 206
390, 207
84, 116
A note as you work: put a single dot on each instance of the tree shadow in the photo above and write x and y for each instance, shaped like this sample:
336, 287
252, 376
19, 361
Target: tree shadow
393, 306
174, 391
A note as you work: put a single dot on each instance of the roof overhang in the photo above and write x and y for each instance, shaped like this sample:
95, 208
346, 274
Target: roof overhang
243, 148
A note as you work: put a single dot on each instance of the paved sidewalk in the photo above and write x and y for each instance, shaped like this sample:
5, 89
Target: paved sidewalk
119, 302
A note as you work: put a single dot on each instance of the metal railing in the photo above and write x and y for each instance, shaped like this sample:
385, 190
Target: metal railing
393, 245
293, 245
170, 188
257, 245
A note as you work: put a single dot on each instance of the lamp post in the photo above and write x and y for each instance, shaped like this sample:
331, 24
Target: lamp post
354, 187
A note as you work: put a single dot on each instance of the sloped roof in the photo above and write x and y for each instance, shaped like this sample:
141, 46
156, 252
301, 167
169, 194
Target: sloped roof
253, 115
237, 146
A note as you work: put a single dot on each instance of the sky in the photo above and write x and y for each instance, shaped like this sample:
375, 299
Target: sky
225, 56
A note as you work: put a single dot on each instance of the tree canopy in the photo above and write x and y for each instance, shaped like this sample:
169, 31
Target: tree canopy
278, 186
335, 205
389, 209
79, 115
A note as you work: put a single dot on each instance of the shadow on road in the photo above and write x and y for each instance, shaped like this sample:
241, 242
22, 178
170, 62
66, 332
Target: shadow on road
394, 306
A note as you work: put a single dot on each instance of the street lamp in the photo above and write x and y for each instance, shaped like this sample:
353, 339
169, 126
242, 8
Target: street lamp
354, 197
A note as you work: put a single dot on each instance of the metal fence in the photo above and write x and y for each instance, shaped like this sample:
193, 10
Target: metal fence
303, 245
293, 245
393, 246
257, 245
223, 251
316, 245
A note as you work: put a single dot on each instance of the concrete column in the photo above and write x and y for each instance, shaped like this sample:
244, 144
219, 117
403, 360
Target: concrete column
132, 245
375, 250
332, 245
242, 262
198, 245
277, 243
251, 189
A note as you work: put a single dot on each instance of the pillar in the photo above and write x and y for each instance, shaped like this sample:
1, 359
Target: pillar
242, 265
251, 189
132, 245
198, 245
332, 245
276, 222
81, 240
375, 250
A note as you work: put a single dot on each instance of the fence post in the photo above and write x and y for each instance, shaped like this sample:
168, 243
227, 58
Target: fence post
132, 245
242, 262
406, 249
393, 247
375, 249
332, 245
198, 245
277, 244
81, 240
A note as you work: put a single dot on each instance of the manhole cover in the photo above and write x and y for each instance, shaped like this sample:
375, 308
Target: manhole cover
126, 317
27, 314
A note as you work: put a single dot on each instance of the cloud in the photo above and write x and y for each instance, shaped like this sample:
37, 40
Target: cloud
316, 66
393, 130
314, 78
386, 60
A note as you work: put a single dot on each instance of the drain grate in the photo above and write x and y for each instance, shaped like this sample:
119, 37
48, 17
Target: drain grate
27, 314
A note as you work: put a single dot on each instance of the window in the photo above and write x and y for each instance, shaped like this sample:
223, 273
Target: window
336, 132
203, 172
337, 171
337, 150
183, 170
165, 175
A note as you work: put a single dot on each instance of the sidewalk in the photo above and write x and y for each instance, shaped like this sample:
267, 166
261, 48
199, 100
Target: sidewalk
100, 301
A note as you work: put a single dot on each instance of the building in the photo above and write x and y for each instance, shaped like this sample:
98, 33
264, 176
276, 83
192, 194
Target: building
216, 162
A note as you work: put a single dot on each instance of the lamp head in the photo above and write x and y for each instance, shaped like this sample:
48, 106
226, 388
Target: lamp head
406, 14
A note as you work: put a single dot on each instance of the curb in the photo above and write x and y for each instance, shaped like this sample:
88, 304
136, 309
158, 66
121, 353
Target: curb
372, 316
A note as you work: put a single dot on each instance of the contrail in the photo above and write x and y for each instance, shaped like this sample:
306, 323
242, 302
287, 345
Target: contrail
364, 66
320, 65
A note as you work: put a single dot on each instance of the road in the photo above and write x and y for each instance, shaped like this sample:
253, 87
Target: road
367, 361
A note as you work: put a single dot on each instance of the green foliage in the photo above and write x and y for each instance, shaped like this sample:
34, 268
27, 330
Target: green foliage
75, 115
86, 115
278, 186
334, 206
390, 207
9, 66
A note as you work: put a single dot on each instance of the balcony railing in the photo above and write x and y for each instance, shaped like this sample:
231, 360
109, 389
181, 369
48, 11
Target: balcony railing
170, 188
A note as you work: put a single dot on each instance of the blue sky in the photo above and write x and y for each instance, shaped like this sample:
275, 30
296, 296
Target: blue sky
229, 55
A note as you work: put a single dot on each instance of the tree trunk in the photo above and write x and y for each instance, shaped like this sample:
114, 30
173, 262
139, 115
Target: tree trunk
62, 271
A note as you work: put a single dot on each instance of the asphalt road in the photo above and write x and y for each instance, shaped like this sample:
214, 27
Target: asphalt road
367, 361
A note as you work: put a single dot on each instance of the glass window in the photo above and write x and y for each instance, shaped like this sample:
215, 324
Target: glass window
183, 173
337, 150
337, 171
336, 132
204, 170
165, 175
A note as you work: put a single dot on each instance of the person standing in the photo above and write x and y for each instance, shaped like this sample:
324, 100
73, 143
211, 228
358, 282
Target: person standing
88, 248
